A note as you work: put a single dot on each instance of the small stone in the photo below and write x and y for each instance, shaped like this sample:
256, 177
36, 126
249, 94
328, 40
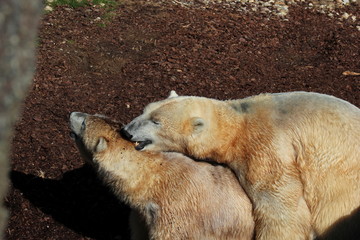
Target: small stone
37, 118
345, 16
41, 174
242, 40
48, 8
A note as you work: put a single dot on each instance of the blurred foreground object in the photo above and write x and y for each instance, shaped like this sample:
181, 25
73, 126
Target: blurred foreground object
18, 26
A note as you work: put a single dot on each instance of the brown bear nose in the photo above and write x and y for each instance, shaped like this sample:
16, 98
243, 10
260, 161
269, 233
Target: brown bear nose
125, 134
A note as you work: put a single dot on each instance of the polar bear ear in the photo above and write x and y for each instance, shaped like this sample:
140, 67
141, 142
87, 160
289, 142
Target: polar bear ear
173, 94
198, 124
101, 145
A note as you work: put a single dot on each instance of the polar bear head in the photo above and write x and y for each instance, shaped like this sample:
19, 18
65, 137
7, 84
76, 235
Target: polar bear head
96, 137
183, 124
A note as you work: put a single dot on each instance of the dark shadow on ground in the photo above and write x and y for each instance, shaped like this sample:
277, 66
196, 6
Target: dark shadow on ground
347, 228
79, 201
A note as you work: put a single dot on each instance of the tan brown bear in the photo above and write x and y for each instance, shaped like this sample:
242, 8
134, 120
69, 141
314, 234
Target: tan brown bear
297, 155
176, 197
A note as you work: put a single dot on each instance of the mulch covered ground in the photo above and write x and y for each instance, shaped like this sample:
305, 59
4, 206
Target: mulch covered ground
115, 61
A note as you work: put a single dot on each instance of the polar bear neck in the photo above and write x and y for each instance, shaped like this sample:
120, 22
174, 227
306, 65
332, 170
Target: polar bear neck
139, 178
223, 125
238, 126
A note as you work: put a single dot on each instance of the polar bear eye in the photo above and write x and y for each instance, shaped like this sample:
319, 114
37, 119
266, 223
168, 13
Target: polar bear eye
155, 122
83, 124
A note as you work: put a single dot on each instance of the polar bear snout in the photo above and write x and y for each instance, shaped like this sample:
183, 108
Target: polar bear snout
139, 145
125, 134
77, 123
140, 131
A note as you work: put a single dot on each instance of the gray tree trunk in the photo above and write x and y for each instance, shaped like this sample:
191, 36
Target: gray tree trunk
18, 30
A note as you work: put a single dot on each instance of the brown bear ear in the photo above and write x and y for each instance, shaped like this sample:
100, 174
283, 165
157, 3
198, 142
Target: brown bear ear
101, 145
173, 94
198, 124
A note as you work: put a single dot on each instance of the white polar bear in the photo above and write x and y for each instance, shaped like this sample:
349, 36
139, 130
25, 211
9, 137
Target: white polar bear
296, 154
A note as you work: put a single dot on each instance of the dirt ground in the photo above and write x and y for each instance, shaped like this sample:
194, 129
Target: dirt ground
115, 61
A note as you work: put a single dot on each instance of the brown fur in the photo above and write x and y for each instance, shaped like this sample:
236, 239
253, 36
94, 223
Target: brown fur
176, 197
297, 155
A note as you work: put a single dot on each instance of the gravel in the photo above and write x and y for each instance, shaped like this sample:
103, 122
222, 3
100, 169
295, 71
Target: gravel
275, 7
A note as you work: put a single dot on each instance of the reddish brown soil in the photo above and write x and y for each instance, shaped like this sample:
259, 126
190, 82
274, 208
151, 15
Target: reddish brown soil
135, 55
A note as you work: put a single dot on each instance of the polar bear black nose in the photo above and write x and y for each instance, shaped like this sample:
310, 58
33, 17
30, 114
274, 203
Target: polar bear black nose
125, 134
